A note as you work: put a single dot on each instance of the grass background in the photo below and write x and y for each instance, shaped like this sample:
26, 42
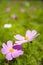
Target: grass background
30, 19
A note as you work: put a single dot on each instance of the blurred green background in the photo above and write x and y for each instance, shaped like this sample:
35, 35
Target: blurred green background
31, 19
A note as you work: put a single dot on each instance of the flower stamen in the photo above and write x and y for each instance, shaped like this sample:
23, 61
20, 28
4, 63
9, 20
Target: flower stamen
26, 38
11, 50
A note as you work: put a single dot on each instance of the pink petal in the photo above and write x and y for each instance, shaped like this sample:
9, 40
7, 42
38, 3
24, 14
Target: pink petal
14, 16
17, 53
19, 37
21, 42
20, 52
4, 45
22, 10
9, 57
4, 51
9, 44
28, 33
8, 10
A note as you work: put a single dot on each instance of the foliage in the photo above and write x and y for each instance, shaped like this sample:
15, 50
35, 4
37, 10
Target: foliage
30, 19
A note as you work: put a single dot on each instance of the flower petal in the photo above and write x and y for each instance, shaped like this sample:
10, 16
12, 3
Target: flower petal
28, 33
19, 37
4, 51
9, 57
21, 42
20, 52
9, 44
17, 53
34, 32
4, 45
36, 35
17, 47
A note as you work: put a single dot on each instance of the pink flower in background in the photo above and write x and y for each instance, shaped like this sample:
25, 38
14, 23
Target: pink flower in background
30, 35
11, 51
22, 10
13, 16
8, 9
32, 8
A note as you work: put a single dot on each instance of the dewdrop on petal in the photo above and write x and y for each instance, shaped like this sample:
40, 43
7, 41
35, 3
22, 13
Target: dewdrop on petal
7, 25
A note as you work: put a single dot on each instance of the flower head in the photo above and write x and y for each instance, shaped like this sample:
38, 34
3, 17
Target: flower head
22, 10
11, 51
7, 25
13, 16
30, 35
8, 9
32, 8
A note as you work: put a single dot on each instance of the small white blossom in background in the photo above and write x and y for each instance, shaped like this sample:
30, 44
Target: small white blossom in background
22, 10
8, 9
13, 16
7, 25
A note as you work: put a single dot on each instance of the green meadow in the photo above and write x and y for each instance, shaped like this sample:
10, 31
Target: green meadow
32, 19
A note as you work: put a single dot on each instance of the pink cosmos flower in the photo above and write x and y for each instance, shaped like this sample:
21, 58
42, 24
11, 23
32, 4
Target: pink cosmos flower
32, 8
14, 16
8, 9
22, 10
11, 51
30, 35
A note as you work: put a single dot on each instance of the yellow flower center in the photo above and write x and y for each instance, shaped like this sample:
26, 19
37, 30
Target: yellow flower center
11, 50
26, 38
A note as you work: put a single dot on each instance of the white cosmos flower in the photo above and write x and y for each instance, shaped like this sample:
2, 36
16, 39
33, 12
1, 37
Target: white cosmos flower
7, 25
